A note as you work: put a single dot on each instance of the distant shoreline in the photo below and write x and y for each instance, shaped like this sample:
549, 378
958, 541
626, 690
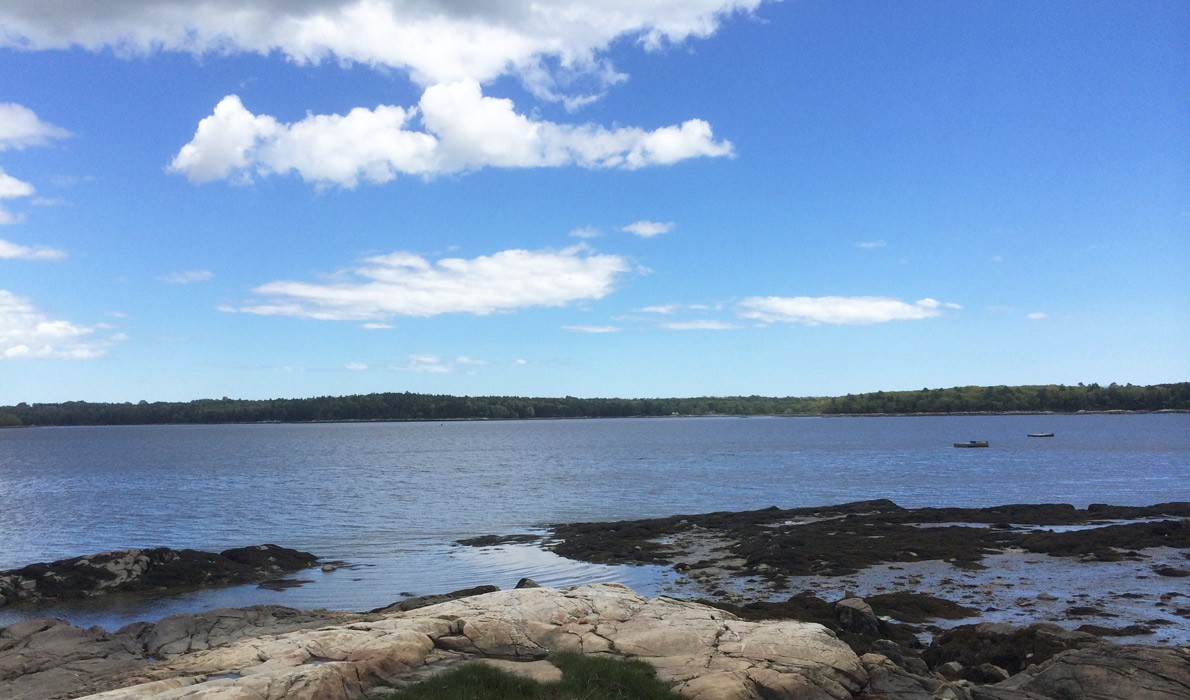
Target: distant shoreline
634, 417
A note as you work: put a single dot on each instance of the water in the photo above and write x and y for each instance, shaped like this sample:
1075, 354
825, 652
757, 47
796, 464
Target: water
391, 498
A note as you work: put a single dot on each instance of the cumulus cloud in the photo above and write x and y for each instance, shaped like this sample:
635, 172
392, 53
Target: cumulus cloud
648, 229
27, 332
405, 284
464, 130
20, 127
813, 311
14, 251
188, 277
557, 49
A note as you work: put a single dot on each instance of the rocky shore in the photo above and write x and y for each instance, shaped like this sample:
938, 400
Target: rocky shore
863, 600
702, 652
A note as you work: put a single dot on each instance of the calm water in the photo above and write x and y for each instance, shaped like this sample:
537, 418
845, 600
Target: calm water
390, 498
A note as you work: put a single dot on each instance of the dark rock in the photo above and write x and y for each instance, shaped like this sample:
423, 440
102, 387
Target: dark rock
493, 540
1129, 631
888, 681
1171, 571
148, 570
1011, 648
856, 616
1105, 672
426, 600
985, 674
917, 607
527, 583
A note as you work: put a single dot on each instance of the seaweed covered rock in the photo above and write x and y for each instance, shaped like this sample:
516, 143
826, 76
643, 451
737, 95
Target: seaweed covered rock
155, 569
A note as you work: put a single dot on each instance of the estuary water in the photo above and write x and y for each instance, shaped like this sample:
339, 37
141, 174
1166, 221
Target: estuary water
390, 499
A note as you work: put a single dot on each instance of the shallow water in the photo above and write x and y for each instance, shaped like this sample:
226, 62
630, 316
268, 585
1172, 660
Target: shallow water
391, 498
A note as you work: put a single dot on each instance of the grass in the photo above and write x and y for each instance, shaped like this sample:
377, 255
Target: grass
583, 678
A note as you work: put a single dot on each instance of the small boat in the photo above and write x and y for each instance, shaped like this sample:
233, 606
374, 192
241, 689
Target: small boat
1040, 435
972, 443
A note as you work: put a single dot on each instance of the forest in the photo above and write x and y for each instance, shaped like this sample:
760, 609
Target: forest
407, 406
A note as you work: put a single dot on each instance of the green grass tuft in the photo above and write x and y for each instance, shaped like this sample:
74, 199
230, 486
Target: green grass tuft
583, 678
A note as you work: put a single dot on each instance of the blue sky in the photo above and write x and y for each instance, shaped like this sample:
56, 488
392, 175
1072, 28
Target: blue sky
648, 198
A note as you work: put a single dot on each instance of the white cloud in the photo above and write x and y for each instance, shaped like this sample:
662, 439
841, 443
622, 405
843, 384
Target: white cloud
356, 366
188, 277
21, 252
376, 326
700, 325
434, 364
520, 361
463, 131
870, 245
27, 332
1037, 315
556, 48
404, 284
586, 232
813, 311
20, 127
11, 188
648, 229
591, 329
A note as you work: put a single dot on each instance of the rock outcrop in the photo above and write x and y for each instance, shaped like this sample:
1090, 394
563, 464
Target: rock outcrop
156, 569
700, 651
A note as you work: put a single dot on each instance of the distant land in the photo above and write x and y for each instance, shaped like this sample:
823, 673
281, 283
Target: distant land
1051, 398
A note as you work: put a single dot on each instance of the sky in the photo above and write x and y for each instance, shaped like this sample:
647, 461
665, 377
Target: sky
631, 198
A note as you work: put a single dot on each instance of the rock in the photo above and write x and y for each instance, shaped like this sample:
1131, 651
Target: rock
327, 568
426, 600
888, 681
857, 616
1106, 672
699, 651
139, 570
527, 583
951, 670
1011, 648
183, 633
540, 671
48, 659
985, 674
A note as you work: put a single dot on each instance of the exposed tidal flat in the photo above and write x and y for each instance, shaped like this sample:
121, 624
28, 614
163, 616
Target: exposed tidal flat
391, 499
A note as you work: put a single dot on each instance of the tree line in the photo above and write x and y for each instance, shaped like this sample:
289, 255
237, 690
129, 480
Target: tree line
407, 406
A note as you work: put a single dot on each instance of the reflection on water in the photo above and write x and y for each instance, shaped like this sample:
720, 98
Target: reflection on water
390, 498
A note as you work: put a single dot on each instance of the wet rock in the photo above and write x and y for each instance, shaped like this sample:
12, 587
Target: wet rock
143, 570
527, 583
1128, 631
1171, 571
422, 601
918, 607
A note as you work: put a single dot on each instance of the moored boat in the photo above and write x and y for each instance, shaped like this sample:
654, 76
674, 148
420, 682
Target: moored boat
1040, 435
972, 443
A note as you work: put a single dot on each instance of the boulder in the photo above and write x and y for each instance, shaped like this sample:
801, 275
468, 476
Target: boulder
1006, 646
855, 615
